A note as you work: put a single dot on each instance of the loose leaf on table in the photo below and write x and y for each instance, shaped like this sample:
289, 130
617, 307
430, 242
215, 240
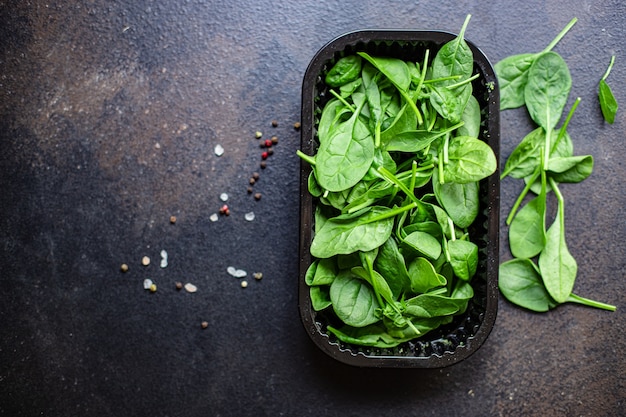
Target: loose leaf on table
572, 169
360, 231
521, 284
547, 89
353, 300
527, 231
557, 266
608, 103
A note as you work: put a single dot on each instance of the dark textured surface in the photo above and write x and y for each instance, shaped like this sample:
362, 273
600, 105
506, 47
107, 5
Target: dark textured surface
109, 113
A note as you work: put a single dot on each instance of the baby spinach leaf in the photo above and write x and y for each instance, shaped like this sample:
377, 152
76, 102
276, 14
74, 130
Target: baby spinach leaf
346, 156
416, 140
423, 276
377, 282
460, 201
347, 233
374, 335
470, 160
320, 297
521, 284
527, 231
347, 69
353, 300
572, 169
512, 74
424, 244
525, 157
557, 266
547, 89
324, 273
396, 70
454, 58
450, 103
391, 265
608, 103
471, 118
463, 258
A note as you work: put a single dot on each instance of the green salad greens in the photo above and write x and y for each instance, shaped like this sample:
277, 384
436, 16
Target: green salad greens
396, 181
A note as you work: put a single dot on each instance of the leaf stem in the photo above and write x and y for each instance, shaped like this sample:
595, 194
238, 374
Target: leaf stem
520, 198
305, 157
343, 100
590, 303
561, 35
608, 70
563, 129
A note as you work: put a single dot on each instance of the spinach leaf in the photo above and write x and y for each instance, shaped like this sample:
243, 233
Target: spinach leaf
396, 70
424, 244
416, 140
471, 119
463, 258
455, 58
608, 103
423, 276
520, 283
346, 156
461, 201
347, 233
450, 103
324, 272
527, 231
347, 69
572, 169
558, 267
353, 300
391, 265
470, 160
512, 74
525, 157
320, 297
549, 84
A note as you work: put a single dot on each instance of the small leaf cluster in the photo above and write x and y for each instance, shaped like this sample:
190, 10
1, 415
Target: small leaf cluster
396, 181
542, 273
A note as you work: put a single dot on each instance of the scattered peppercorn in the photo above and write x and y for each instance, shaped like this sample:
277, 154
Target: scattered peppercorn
258, 275
268, 143
179, 285
225, 210
172, 219
255, 175
274, 123
124, 268
244, 284
263, 164
257, 196
258, 135
274, 140
153, 288
262, 144
145, 261
264, 155
204, 324
270, 151
252, 181
296, 125
250, 190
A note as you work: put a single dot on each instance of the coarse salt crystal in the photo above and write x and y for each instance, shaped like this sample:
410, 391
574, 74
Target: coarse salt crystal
163, 259
237, 273
219, 150
224, 197
147, 283
189, 287
213, 217
249, 216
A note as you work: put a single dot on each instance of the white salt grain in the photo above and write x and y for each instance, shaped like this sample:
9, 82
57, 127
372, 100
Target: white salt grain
163, 259
147, 283
219, 150
213, 217
224, 197
190, 287
249, 216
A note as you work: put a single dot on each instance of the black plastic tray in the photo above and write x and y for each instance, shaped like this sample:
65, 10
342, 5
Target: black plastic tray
451, 343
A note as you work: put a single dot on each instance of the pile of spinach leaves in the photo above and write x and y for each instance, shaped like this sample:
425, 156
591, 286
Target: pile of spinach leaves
396, 179
542, 273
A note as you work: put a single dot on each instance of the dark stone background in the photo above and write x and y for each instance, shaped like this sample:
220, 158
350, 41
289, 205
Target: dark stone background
109, 113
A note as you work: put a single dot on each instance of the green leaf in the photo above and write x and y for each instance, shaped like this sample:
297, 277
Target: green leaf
424, 244
557, 266
512, 75
396, 70
460, 201
520, 283
347, 233
471, 119
549, 84
345, 157
423, 276
347, 69
353, 300
608, 103
454, 58
320, 297
391, 265
572, 169
470, 160
463, 258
